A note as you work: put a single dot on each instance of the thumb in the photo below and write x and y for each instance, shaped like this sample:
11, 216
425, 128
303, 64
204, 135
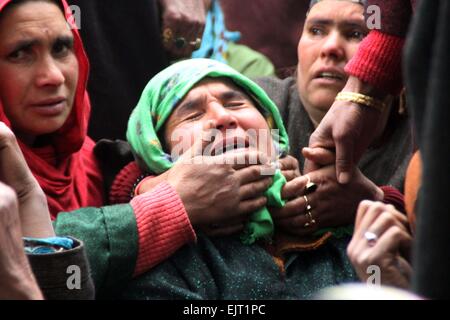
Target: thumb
344, 161
201, 140
320, 156
310, 166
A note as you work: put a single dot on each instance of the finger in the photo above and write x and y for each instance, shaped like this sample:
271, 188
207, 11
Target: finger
288, 163
201, 141
371, 214
250, 206
394, 240
254, 189
294, 188
251, 174
310, 166
290, 175
361, 212
292, 208
289, 167
385, 221
14, 169
296, 225
320, 156
344, 159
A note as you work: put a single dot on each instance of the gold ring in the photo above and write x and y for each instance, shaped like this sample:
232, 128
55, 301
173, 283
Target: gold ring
167, 35
308, 214
196, 44
307, 202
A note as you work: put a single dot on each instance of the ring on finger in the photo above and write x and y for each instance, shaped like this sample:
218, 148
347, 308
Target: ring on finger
371, 238
311, 220
310, 186
197, 43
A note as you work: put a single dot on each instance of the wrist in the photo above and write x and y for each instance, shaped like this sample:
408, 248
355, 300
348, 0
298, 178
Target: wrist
35, 216
377, 194
147, 182
356, 85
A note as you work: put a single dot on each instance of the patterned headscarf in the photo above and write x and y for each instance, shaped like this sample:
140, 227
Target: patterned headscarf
160, 98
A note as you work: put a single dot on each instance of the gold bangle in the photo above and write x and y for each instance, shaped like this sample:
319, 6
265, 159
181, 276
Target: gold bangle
361, 99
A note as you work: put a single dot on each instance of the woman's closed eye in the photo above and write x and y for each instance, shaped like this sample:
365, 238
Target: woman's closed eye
194, 116
234, 104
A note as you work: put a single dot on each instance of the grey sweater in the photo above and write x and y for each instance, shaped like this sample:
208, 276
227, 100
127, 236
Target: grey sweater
384, 164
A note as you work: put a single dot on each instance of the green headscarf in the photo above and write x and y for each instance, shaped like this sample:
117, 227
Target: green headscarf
160, 98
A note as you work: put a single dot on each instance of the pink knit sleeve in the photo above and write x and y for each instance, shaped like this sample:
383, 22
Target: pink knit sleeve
163, 226
378, 62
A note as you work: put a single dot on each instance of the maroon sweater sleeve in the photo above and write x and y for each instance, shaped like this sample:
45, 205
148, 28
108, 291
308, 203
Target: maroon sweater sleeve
162, 221
394, 197
379, 58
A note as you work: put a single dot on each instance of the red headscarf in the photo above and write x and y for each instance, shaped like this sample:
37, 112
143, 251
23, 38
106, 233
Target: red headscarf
67, 170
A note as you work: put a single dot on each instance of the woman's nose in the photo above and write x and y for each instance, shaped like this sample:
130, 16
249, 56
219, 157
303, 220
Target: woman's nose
49, 73
223, 118
333, 46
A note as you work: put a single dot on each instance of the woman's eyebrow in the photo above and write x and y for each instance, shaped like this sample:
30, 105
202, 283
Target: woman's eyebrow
67, 40
342, 23
29, 43
24, 44
319, 21
233, 94
188, 105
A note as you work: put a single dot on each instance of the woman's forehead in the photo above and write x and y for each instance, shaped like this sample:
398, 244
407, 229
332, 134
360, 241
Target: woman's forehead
218, 85
32, 17
335, 11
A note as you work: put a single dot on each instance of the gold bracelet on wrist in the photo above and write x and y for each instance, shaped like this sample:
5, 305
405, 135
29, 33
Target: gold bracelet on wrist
361, 99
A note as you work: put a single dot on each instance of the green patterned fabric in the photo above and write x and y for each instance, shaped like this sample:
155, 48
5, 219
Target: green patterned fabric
160, 98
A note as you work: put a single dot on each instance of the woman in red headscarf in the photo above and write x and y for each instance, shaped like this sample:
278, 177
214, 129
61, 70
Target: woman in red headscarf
43, 99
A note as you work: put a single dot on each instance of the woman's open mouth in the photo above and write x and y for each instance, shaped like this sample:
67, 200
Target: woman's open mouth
230, 144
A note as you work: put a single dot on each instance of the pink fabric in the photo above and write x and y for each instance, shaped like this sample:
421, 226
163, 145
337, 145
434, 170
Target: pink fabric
378, 62
123, 183
163, 226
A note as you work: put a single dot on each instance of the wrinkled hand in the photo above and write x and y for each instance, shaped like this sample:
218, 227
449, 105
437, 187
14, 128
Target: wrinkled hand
14, 171
182, 19
219, 192
289, 167
16, 279
391, 251
349, 129
333, 204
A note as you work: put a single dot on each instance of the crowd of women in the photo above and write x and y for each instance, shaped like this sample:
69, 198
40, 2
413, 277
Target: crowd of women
284, 187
